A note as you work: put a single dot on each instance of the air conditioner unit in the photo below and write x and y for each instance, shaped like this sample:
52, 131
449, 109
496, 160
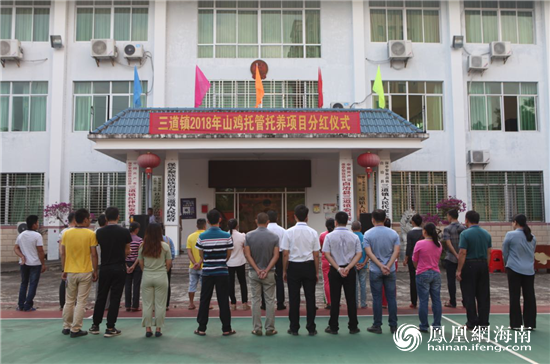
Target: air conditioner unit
478, 157
400, 50
103, 49
21, 226
10, 49
133, 52
478, 63
501, 49
340, 105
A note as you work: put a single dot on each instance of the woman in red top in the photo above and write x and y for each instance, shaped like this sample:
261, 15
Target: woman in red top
325, 264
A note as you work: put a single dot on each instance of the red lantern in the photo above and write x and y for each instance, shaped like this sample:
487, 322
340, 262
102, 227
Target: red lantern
368, 161
148, 161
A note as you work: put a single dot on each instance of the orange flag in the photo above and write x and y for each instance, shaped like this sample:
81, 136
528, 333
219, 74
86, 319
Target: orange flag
259, 88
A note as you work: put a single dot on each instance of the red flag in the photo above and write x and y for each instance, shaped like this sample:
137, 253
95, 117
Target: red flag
320, 90
201, 86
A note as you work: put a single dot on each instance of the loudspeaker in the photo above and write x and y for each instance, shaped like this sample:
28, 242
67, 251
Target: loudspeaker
366, 222
143, 221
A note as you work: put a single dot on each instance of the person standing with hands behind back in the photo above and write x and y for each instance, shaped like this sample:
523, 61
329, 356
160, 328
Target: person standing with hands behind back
413, 237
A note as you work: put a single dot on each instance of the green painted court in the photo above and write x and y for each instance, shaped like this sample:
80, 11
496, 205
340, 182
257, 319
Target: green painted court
41, 341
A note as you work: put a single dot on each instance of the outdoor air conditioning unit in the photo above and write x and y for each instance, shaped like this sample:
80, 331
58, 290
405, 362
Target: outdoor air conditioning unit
478, 63
501, 50
104, 49
134, 52
10, 50
21, 226
400, 50
478, 157
340, 105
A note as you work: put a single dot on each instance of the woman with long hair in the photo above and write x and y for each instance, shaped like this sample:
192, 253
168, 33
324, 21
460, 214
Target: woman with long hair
426, 255
329, 224
155, 261
237, 265
518, 251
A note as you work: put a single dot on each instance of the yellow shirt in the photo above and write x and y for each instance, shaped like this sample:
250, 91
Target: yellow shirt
191, 244
77, 242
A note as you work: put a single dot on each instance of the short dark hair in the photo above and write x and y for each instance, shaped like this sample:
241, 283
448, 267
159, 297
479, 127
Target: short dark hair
201, 223
71, 216
102, 220
262, 218
213, 217
356, 226
31, 220
112, 213
453, 214
379, 215
134, 226
149, 209
80, 215
301, 212
341, 218
417, 219
272, 214
472, 217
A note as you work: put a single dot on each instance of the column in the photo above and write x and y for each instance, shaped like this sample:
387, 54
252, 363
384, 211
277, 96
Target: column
383, 175
159, 54
133, 190
57, 119
546, 15
171, 213
359, 65
346, 200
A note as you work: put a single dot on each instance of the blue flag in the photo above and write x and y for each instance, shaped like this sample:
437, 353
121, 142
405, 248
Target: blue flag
137, 89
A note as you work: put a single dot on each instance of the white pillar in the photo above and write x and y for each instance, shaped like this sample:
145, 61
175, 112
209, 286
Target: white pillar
171, 200
57, 118
384, 198
159, 54
544, 120
133, 190
345, 172
359, 65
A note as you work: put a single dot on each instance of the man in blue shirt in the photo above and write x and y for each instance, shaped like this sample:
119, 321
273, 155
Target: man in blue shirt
382, 247
361, 269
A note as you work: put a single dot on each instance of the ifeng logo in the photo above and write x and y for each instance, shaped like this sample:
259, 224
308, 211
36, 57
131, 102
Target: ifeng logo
407, 338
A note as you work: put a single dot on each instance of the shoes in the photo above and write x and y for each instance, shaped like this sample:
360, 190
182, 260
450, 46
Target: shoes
281, 307
32, 309
423, 330
94, 330
313, 333
18, 309
148, 334
112, 332
365, 306
327, 307
375, 329
167, 308
135, 309
233, 307
385, 307
246, 307
328, 330
78, 333
262, 307
270, 332
257, 332
354, 331
128, 309
66, 331
448, 304
393, 329
290, 332
412, 305
158, 334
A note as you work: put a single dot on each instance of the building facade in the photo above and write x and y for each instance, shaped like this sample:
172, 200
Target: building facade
54, 97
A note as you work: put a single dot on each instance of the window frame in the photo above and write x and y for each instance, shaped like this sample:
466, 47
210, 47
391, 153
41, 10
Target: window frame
14, 6
5, 213
10, 96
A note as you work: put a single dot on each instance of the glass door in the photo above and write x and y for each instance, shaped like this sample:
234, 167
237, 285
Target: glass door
251, 204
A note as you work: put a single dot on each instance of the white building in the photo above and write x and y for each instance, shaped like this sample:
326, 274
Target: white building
53, 97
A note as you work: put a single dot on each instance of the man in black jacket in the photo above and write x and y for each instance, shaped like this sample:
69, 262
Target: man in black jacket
412, 237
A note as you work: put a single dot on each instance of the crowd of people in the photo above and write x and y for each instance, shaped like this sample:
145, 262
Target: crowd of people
120, 261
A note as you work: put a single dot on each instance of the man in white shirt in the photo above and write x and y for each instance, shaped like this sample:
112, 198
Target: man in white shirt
280, 232
301, 268
29, 248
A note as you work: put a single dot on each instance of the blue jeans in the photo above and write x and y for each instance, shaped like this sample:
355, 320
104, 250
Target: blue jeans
361, 287
30, 275
377, 280
428, 284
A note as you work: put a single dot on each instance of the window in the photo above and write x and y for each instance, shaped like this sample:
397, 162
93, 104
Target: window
27, 21
119, 20
420, 191
513, 102
23, 106
21, 195
97, 102
278, 94
417, 21
419, 102
259, 29
488, 21
97, 191
498, 196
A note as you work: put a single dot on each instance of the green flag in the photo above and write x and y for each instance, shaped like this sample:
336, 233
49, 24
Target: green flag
378, 87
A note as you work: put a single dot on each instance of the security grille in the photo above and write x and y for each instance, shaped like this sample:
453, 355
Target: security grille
21, 195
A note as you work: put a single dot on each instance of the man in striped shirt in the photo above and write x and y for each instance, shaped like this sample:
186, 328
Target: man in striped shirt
215, 246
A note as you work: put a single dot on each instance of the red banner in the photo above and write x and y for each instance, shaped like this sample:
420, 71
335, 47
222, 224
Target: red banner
255, 123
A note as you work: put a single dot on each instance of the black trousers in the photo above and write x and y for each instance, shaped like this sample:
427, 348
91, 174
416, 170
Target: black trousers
279, 281
111, 279
221, 283
451, 267
518, 283
349, 283
169, 289
300, 275
132, 287
412, 280
241, 276
62, 290
475, 292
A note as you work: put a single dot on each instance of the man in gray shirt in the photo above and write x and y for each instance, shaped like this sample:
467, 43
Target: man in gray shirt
342, 249
261, 249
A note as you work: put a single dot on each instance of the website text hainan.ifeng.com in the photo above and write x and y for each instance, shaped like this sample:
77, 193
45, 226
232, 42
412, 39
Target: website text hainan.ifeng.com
478, 347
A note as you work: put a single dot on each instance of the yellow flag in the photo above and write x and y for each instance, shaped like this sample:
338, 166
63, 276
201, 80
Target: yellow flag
378, 87
259, 88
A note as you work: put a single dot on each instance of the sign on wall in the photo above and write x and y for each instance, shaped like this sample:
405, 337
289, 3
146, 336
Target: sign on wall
171, 170
362, 199
132, 176
384, 193
346, 188
255, 123
157, 195
188, 208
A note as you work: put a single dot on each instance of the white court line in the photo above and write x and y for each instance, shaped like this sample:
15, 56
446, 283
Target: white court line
497, 344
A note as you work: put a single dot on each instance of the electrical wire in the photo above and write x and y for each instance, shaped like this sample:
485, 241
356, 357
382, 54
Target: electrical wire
34, 60
360, 102
378, 61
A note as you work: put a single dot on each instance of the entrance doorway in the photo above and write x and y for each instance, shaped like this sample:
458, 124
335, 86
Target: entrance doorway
245, 204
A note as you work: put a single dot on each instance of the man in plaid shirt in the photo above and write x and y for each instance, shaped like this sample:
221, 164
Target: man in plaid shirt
451, 236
